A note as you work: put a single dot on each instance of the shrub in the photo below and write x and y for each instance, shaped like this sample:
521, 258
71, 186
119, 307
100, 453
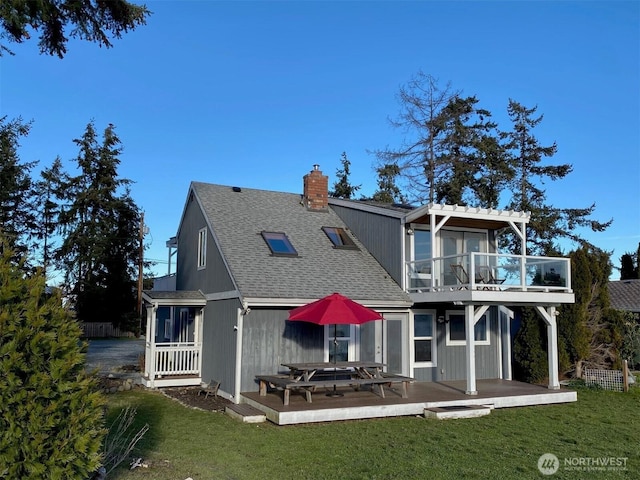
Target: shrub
51, 414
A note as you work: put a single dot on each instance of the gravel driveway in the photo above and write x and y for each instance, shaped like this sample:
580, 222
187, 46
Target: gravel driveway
110, 355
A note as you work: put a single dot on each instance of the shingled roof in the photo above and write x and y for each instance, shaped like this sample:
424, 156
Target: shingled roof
625, 295
238, 216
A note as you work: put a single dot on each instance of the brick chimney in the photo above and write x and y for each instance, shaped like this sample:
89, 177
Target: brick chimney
316, 190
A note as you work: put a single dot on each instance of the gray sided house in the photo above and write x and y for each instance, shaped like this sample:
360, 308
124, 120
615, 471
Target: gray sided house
245, 257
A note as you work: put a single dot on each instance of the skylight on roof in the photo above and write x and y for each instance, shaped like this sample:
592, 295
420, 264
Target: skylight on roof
339, 238
279, 244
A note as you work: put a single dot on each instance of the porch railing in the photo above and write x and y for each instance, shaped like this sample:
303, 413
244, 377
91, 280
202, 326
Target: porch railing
494, 271
183, 358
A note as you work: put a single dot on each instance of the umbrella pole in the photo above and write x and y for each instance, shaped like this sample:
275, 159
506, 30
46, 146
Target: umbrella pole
335, 393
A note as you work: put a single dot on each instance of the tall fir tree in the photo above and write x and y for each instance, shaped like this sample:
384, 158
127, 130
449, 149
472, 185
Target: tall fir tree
51, 414
54, 20
100, 248
343, 188
48, 195
388, 191
630, 265
495, 169
464, 125
17, 220
548, 224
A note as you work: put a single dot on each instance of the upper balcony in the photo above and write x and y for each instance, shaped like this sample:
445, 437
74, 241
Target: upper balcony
491, 278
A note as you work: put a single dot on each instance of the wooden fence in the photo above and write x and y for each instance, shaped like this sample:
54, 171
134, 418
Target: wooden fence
102, 330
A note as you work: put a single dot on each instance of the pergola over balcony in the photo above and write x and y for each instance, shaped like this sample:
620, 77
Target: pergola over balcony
481, 276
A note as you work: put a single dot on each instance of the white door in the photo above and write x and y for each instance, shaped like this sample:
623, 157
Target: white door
452, 249
455, 247
391, 343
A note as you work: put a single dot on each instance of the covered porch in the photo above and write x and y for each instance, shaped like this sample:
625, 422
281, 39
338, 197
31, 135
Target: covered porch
173, 338
363, 404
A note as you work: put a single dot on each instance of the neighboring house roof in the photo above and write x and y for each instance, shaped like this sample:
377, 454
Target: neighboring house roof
237, 219
625, 295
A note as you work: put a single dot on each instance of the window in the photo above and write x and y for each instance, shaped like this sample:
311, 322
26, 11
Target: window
339, 238
423, 341
456, 331
339, 342
202, 248
422, 246
279, 244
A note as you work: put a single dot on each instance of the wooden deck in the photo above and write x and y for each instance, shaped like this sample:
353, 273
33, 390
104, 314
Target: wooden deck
420, 395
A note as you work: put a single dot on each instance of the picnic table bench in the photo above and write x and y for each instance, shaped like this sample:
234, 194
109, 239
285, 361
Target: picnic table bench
287, 383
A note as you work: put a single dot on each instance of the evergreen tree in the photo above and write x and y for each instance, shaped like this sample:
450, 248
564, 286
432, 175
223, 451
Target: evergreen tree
530, 361
604, 323
388, 191
574, 337
47, 198
100, 248
464, 126
548, 224
51, 415
494, 166
53, 20
630, 265
343, 188
17, 221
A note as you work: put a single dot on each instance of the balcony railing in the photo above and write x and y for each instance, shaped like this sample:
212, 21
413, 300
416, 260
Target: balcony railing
183, 358
489, 271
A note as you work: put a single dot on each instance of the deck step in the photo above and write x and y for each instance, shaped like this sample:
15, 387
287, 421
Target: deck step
245, 413
457, 411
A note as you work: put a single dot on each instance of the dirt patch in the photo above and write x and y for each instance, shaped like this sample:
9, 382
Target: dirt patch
189, 397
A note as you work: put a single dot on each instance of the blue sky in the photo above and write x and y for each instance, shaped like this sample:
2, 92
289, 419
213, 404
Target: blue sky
252, 94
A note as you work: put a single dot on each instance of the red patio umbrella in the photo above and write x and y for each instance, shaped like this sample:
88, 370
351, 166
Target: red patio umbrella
334, 309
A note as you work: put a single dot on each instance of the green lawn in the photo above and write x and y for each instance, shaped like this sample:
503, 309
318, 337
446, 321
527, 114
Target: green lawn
506, 444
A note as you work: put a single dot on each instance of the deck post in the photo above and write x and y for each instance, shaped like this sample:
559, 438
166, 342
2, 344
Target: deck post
470, 350
552, 342
549, 316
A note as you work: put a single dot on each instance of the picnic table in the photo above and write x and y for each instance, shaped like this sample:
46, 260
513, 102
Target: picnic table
359, 369
311, 375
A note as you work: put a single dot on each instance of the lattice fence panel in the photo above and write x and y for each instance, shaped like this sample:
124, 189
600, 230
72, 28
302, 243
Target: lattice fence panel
607, 379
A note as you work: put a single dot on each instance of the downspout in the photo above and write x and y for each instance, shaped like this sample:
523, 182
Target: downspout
405, 283
238, 370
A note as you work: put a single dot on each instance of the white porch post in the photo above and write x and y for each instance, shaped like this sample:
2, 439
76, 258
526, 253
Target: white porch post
470, 350
241, 312
549, 316
505, 317
471, 317
150, 347
197, 337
